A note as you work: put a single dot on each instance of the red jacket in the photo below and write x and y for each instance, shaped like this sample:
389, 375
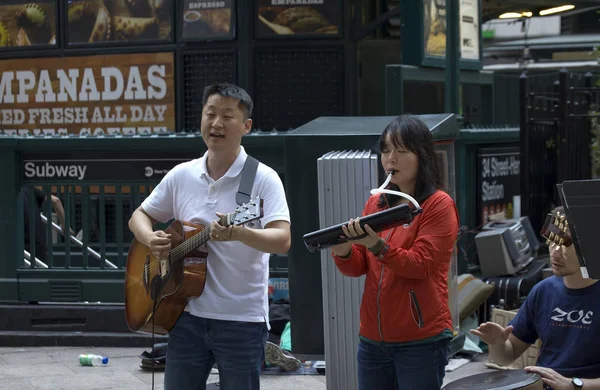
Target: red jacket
414, 268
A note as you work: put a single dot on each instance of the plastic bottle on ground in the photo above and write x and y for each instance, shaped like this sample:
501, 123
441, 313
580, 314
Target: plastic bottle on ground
93, 360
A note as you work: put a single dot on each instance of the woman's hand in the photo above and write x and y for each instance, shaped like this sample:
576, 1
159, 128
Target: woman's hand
342, 250
353, 230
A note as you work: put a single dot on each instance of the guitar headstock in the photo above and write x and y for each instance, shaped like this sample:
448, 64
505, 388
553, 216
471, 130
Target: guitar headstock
556, 229
246, 212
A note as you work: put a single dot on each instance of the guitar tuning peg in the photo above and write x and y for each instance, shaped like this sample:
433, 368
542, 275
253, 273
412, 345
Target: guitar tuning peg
561, 241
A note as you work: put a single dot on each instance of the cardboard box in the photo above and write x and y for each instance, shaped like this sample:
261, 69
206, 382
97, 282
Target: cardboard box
529, 357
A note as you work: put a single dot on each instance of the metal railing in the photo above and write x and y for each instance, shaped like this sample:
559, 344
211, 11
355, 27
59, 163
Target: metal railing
27, 260
75, 240
99, 213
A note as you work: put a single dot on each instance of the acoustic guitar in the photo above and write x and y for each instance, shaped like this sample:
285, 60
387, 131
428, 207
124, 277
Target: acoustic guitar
157, 290
556, 229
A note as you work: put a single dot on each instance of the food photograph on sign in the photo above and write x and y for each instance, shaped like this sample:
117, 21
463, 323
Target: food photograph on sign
206, 19
32, 24
296, 17
94, 21
434, 27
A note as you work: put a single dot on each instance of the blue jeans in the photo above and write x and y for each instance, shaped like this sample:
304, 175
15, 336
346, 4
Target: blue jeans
196, 344
416, 367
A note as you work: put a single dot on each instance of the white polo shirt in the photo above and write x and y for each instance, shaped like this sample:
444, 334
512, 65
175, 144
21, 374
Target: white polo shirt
236, 286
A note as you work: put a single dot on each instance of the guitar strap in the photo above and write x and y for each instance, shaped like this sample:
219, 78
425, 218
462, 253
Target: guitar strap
247, 181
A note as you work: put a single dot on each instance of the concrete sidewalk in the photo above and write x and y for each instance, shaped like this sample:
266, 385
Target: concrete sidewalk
58, 368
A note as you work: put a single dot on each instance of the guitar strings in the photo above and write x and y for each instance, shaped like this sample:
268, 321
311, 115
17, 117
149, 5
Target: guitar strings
176, 254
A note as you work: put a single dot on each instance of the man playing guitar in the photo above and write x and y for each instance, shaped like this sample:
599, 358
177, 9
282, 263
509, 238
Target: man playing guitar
228, 323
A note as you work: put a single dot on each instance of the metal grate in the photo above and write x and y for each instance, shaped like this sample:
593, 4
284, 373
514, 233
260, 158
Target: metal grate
582, 102
201, 69
65, 291
538, 146
345, 179
296, 86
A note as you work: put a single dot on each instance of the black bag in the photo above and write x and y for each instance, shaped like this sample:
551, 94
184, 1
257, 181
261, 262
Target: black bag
279, 316
511, 291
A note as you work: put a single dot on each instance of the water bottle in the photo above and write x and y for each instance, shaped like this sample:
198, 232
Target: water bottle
93, 360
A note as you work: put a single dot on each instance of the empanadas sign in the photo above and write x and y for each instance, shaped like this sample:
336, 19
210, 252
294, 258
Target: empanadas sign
95, 95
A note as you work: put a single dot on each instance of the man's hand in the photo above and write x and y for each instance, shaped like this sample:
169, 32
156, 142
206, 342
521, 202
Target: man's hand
159, 243
551, 378
221, 233
492, 333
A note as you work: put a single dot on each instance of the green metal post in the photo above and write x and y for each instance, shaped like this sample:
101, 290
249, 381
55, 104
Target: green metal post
11, 232
452, 56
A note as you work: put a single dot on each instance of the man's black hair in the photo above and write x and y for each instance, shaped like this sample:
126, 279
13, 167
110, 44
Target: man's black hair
231, 91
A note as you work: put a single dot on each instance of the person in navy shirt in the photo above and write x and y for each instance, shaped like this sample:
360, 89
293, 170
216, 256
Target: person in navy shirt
563, 311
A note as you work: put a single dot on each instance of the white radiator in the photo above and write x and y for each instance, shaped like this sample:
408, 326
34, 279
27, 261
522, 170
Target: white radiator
345, 179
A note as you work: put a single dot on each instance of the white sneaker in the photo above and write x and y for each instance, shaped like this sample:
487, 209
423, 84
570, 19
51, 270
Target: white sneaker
276, 357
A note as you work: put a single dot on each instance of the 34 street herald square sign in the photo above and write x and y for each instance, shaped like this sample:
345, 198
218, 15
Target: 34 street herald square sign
88, 95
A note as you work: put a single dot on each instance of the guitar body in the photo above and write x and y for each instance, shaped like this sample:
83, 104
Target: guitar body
145, 284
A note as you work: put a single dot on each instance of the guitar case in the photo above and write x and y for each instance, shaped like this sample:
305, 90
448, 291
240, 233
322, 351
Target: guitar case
511, 291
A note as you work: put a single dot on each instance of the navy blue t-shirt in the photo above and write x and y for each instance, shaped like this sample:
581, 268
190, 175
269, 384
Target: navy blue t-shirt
567, 321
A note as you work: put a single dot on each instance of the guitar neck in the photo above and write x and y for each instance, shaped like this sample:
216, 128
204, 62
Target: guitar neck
194, 242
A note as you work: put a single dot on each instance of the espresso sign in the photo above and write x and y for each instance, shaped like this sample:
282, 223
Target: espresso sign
207, 19
96, 95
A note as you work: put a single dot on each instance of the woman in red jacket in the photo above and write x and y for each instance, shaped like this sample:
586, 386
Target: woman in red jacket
405, 322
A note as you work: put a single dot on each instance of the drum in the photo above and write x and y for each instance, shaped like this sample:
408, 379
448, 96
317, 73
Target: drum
499, 380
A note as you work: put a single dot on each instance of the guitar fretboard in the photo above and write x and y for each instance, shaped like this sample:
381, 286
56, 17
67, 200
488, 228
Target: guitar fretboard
194, 242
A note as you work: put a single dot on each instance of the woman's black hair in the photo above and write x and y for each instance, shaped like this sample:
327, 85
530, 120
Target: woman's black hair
414, 135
